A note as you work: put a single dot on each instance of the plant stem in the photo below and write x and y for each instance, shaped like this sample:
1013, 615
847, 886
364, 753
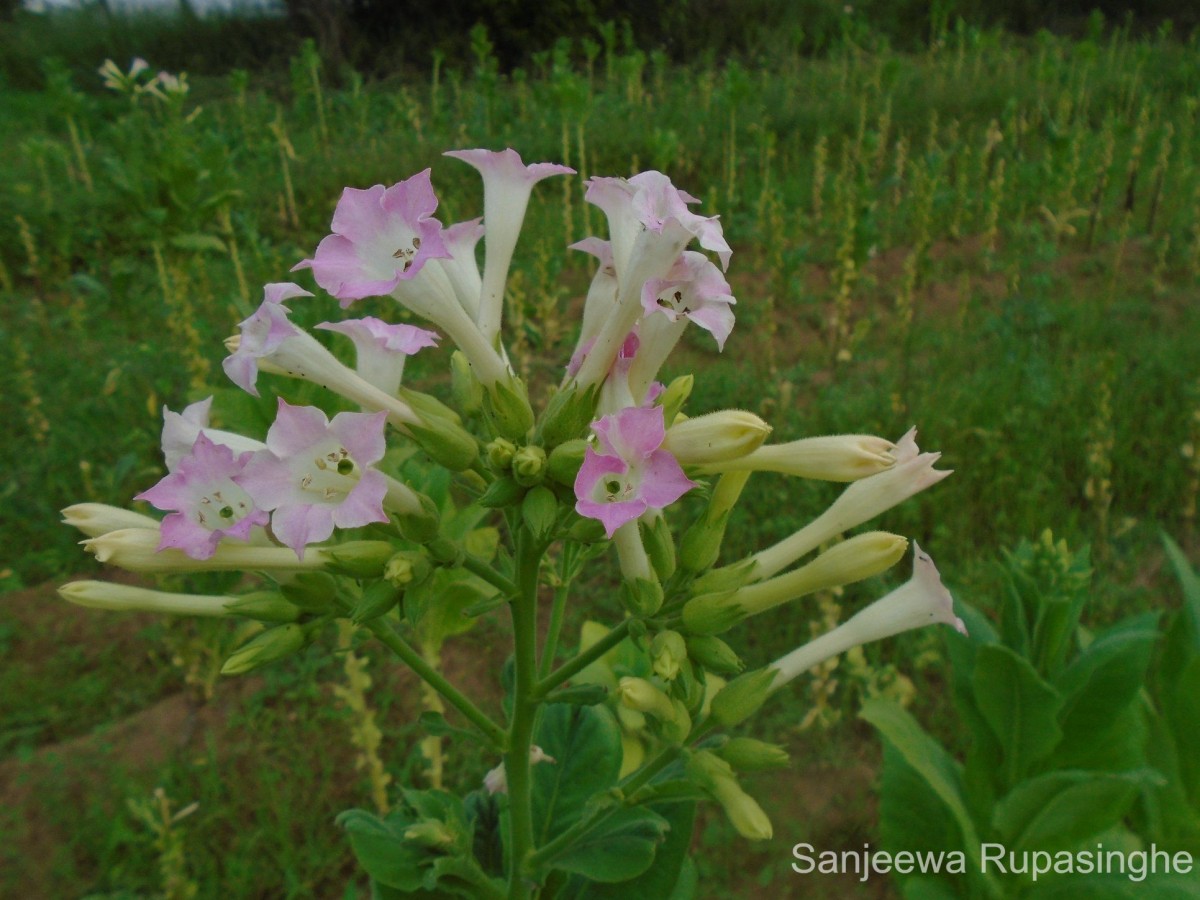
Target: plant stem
524, 715
477, 566
580, 662
453, 695
550, 648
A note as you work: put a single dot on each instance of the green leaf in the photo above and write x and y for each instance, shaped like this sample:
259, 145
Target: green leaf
667, 877
1020, 707
380, 848
585, 741
1181, 710
1117, 886
929, 760
437, 606
621, 847
1060, 810
1189, 581
1107, 676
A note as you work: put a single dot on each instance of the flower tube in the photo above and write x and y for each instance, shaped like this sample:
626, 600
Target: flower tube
123, 598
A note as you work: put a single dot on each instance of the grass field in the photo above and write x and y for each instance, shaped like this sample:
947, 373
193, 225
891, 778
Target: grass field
996, 241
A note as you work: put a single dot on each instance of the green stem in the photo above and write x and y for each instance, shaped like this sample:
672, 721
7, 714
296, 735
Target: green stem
477, 566
550, 648
524, 715
453, 695
574, 666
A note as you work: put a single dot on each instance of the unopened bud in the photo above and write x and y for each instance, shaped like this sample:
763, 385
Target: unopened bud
405, 568
742, 697
641, 596
95, 519
501, 493
500, 453
361, 559
506, 406
265, 606
716, 437
567, 415
312, 592
447, 442
750, 755
675, 395
118, 597
539, 511
467, 391
714, 654
715, 776
268, 646
565, 460
377, 600
667, 653
712, 613
726, 578
660, 547
422, 525
529, 465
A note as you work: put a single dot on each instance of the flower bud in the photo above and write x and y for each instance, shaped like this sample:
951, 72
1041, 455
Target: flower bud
265, 606
122, 598
667, 653
567, 415
423, 525
501, 493
565, 461
499, 453
539, 511
427, 406
95, 519
312, 592
406, 567
843, 457
136, 549
506, 406
267, 646
749, 755
529, 465
675, 395
713, 613
715, 776
377, 600
641, 596
714, 654
360, 559
717, 437
726, 578
465, 388
447, 442
660, 547
640, 695
742, 697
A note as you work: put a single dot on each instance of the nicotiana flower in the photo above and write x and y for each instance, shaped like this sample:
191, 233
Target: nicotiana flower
649, 226
316, 474
95, 519
632, 473
507, 184
382, 347
922, 600
381, 236
206, 500
461, 267
601, 301
180, 430
124, 598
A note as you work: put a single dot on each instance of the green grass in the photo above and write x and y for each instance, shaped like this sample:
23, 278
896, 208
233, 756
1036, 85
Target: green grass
1003, 368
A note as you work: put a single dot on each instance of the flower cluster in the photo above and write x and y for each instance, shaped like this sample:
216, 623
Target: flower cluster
606, 460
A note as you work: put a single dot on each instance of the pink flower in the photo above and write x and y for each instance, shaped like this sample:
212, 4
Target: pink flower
381, 236
315, 473
632, 474
180, 431
461, 267
696, 291
206, 499
267, 333
382, 347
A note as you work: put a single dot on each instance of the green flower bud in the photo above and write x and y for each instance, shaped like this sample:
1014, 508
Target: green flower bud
565, 461
265, 606
660, 547
405, 568
714, 654
501, 493
312, 592
377, 600
716, 777
567, 415
641, 596
539, 510
726, 578
750, 755
500, 453
422, 526
267, 646
701, 544
742, 697
673, 398
672, 716
712, 613
667, 653
445, 551
360, 559
529, 465
427, 406
506, 406
447, 442
467, 391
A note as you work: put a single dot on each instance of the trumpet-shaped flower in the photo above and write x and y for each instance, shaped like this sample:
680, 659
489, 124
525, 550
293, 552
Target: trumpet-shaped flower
507, 184
381, 236
922, 600
461, 266
206, 500
180, 430
124, 598
382, 347
316, 475
632, 473
694, 290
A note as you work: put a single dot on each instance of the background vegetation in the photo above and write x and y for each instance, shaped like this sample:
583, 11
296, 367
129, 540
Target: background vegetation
993, 237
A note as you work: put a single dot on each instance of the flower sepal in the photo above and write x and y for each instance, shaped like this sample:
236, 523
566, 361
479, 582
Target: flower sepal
567, 415
265, 606
742, 697
447, 442
268, 646
360, 559
641, 596
507, 410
